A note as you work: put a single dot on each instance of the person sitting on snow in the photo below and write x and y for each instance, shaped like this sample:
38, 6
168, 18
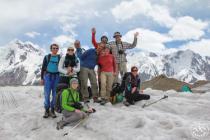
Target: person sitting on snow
73, 110
131, 85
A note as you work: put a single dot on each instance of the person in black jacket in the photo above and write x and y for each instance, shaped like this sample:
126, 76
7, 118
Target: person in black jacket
131, 85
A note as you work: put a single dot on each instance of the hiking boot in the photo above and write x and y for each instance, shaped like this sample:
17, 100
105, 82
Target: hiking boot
97, 100
60, 125
132, 103
86, 100
47, 113
104, 101
52, 113
126, 103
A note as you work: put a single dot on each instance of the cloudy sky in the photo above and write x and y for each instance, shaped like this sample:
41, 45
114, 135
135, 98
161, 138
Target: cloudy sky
164, 25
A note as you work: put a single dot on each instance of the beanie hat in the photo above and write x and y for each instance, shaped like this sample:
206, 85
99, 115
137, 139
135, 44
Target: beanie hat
73, 80
104, 37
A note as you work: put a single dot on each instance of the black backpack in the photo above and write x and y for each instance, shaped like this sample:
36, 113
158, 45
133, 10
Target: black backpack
58, 101
125, 76
116, 88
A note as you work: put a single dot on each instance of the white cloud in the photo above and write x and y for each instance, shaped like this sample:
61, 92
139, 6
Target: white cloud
161, 15
202, 47
63, 40
181, 28
25, 14
188, 28
129, 9
32, 34
148, 40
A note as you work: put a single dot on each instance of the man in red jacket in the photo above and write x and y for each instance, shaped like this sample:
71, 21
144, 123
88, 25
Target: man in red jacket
108, 69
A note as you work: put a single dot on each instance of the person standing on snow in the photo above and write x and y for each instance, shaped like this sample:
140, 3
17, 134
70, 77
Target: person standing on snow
118, 48
69, 66
99, 46
108, 69
88, 63
50, 78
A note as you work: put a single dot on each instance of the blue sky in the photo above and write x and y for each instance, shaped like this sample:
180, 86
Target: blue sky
164, 25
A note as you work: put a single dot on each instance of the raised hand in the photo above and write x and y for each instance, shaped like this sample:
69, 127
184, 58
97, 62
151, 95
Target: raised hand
136, 34
93, 30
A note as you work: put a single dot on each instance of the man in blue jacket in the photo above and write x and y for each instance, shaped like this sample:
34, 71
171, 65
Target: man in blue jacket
88, 62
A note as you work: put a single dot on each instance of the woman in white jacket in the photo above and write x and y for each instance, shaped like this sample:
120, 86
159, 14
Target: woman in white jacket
69, 66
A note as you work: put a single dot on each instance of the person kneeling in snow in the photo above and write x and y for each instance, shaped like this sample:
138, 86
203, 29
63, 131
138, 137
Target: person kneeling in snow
73, 110
131, 84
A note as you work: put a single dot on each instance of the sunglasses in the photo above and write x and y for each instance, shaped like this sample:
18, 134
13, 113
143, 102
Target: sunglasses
70, 50
134, 70
55, 48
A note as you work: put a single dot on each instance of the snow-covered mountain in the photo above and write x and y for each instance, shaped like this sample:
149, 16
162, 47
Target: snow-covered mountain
184, 65
20, 63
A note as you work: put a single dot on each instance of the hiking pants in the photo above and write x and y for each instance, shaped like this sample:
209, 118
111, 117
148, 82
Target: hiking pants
136, 96
50, 84
106, 79
85, 74
71, 117
122, 69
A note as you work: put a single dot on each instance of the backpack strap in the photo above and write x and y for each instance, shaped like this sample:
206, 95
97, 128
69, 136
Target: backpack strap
48, 58
70, 94
59, 57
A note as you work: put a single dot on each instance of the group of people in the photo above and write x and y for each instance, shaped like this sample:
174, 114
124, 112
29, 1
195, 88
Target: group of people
78, 66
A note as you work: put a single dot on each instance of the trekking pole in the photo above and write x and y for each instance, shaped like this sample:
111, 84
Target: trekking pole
76, 125
146, 105
80, 121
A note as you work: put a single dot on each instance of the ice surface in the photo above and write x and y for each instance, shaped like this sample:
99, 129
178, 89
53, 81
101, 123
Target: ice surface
175, 118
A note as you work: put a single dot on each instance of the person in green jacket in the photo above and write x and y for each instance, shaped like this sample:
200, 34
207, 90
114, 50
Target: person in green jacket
73, 111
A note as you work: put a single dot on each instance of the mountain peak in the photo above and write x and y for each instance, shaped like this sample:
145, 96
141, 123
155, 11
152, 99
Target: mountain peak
27, 46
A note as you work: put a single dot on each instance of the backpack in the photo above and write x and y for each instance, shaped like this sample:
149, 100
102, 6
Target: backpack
128, 86
58, 98
125, 76
116, 93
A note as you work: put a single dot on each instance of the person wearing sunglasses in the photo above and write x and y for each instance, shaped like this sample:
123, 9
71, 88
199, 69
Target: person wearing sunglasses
50, 79
131, 85
69, 66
